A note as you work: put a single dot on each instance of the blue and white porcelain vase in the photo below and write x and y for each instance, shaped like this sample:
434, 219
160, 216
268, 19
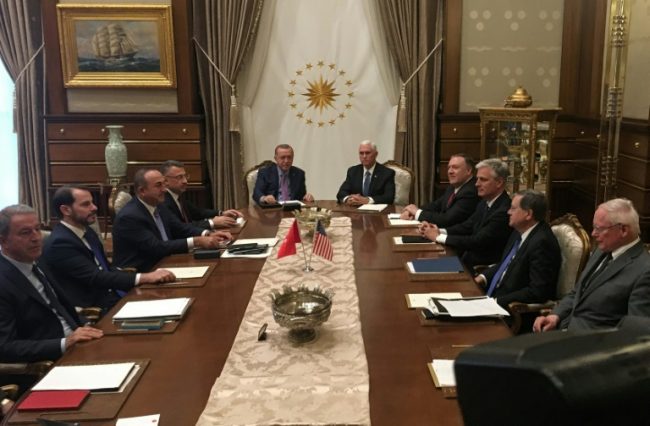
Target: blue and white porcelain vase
115, 153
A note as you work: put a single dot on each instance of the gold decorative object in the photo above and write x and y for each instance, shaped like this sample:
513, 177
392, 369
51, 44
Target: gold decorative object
121, 45
522, 138
519, 99
301, 311
307, 218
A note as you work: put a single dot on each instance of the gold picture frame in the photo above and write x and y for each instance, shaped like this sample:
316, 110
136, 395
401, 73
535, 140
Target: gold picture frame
116, 45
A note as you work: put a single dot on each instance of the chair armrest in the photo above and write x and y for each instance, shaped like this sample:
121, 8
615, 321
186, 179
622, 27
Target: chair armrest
91, 314
28, 368
517, 309
11, 391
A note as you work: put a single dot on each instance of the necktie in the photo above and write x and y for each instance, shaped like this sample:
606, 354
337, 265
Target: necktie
284, 187
451, 198
96, 247
160, 225
185, 216
54, 300
602, 265
98, 252
496, 279
366, 184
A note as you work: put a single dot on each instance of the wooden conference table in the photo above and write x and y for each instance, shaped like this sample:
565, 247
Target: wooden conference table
184, 365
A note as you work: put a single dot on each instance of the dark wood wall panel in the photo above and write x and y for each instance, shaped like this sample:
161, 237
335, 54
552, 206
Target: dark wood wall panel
96, 173
143, 151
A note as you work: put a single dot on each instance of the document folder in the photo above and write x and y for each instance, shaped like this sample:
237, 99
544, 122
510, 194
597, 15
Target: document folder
54, 400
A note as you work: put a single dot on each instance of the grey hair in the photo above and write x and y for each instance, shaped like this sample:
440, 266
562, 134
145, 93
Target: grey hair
369, 142
498, 167
164, 168
10, 211
621, 210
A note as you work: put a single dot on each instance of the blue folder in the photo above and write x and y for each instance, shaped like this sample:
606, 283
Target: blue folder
439, 265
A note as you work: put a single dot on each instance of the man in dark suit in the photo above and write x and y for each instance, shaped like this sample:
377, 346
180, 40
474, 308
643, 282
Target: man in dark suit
529, 267
185, 210
459, 200
281, 181
37, 322
480, 239
145, 230
368, 182
76, 255
616, 280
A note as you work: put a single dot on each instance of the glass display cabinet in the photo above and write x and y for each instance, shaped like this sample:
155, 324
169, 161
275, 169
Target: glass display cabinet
522, 137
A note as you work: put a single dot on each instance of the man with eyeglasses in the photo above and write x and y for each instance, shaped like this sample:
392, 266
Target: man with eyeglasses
186, 211
616, 280
145, 231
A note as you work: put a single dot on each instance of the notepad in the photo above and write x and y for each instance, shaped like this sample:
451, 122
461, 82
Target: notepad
54, 400
440, 265
442, 372
373, 207
95, 377
168, 309
472, 307
421, 300
187, 272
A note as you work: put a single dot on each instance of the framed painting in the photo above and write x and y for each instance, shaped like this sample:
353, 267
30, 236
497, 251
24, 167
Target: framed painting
116, 45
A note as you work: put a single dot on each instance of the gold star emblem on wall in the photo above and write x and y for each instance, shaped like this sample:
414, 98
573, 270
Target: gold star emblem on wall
315, 93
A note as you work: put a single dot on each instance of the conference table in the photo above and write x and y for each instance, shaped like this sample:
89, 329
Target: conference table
184, 365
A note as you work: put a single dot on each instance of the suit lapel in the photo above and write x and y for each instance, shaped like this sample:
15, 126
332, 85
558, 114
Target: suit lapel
152, 224
20, 282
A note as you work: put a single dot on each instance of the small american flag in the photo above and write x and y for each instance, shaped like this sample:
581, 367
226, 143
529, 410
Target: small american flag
322, 244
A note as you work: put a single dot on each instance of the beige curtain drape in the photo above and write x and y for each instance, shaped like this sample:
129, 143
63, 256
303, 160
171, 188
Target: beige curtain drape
20, 51
225, 29
413, 28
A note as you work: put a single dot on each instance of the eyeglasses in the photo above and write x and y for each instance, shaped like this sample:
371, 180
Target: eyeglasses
601, 229
179, 177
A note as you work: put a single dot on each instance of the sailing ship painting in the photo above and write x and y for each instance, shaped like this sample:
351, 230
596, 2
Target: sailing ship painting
117, 46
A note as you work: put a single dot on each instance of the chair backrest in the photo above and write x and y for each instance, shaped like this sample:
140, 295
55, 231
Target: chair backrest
404, 179
120, 196
250, 177
574, 246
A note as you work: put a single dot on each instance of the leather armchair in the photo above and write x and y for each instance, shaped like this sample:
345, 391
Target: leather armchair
404, 179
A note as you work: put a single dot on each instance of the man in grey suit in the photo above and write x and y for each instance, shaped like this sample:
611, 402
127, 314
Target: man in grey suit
616, 280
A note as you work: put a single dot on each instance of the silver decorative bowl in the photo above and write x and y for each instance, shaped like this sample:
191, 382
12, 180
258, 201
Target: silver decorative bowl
301, 311
307, 218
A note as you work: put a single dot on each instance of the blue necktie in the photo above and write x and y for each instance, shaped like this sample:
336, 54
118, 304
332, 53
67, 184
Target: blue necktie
98, 252
160, 225
366, 184
496, 279
95, 246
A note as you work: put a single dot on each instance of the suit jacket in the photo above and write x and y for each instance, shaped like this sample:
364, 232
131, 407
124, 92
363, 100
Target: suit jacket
29, 330
197, 216
532, 274
137, 242
74, 267
461, 208
622, 289
382, 184
268, 183
481, 238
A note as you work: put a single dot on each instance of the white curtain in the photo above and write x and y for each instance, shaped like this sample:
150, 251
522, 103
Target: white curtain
320, 79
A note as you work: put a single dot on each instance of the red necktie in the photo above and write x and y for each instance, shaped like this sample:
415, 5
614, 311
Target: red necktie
451, 198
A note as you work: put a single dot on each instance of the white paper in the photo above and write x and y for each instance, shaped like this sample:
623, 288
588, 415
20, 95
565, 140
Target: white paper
151, 420
444, 370
270, 241
292, 202
403, 222
372, 207
162, 308
394, 215
85, 377
185, 272
421, 300
240, 221
473, 307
